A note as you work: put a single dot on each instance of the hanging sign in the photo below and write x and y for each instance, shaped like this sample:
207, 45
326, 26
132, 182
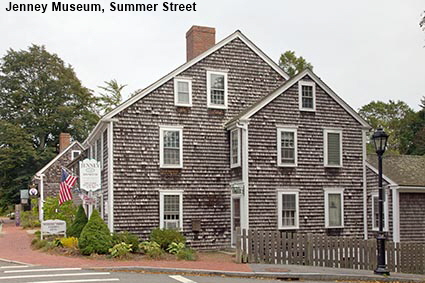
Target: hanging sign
90, 175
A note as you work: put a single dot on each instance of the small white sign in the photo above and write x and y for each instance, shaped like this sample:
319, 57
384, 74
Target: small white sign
53, 227
33, 192
90, 175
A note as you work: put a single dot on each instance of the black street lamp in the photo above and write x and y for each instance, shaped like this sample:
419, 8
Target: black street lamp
380, 141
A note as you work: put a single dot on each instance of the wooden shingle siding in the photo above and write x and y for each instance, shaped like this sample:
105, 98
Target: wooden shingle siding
412, 217
310, 176
206, 174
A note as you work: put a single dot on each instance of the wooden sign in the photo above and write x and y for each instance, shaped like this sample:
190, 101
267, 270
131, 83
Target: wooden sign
53, 227
90, 175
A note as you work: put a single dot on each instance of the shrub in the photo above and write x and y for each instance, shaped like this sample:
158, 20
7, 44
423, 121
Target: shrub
128, 238
39, 244
78, 224
186, 254
37, 234
175, 248
164, 237
120, 250
152, 249
66, 211
48, 246
29, 219
95, 237
69, 242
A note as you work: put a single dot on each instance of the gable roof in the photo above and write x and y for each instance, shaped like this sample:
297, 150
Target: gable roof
41, 171
250, 111
403, 170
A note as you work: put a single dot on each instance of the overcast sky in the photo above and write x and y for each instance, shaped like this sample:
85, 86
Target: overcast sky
364, 50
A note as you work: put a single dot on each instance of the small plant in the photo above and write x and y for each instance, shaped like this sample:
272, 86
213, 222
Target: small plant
80, 221
58, 243
121, 250
39, 244
48, 246
69, 242
128, 238
37, 234
186, 254
152, 249
95, 237
175, 248
164, 237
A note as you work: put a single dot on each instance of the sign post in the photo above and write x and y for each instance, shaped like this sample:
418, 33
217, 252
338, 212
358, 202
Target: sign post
90, 178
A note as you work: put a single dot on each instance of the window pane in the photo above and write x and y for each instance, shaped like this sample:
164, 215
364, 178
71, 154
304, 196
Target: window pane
235, 145
171, 139
335, 212
288, 147
183, 86
217, 89
183, 92
217, 81
334, 149
171, 211
307, 96
171, 147
288, 209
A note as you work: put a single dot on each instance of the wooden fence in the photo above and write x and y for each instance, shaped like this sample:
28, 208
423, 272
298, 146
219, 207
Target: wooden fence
277, 247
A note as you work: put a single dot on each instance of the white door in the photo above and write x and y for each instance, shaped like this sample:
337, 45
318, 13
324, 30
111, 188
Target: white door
236, 217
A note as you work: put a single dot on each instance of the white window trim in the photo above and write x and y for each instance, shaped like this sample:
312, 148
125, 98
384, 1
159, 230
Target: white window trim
74, 151
300, 95
279, 146
162, 193
238, 163
280, 206
101, 150
333, 191
176, 92
376, 228
325, 147
161, 146
209, 104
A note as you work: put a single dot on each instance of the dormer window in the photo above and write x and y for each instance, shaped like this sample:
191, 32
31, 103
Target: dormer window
307, 95
217, 90
183, 92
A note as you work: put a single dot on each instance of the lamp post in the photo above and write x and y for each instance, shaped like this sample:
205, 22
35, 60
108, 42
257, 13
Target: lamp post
380, 141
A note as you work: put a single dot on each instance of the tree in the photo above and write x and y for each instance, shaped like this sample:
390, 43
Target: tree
40, 97
95, 237
111, 97
412, 134
78, 225
422, 21
390, 116
292, 64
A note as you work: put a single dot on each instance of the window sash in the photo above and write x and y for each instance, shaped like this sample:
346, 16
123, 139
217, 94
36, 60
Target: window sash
217, 89
334, 149
183, 92
235, 148
171, 147
288, 208
334, 209
307, 96
287, 146
171, 209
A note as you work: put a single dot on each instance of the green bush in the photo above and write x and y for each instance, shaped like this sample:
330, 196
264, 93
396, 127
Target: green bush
95, 237
78, 224
121, 250
152, 249
66, 211
175, 248
39, 244
186, 254
164, 237
29, 219
128, 238
37, 234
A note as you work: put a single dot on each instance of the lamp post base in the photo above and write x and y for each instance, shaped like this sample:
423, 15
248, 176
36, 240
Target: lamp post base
382, 271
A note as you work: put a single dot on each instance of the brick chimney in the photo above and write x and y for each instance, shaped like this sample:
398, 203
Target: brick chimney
198, 40
64, 141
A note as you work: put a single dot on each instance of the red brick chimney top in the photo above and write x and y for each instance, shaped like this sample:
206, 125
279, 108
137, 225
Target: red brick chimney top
64, 141
198, 40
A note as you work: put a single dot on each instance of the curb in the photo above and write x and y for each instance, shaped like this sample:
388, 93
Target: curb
15, 262
274, 275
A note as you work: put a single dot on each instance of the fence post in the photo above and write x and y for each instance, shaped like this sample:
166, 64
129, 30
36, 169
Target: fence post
238, 245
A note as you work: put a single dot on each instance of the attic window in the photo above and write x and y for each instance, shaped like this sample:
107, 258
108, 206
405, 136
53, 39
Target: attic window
307, 95
74, 154
216, 90
183, 92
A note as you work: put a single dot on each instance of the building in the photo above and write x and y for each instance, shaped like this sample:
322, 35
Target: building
229, 140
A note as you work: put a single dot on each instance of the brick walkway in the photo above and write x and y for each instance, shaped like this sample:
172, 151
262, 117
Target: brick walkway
15, 245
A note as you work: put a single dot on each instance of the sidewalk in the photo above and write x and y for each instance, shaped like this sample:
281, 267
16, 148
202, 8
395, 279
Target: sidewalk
15, 246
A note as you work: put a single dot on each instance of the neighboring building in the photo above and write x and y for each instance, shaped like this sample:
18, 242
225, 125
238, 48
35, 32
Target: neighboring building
404, 209
229, 140
48, 178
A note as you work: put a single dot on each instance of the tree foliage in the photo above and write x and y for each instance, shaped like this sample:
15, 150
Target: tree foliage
95, 237
111, 96
77, 226
292, 64
66, 212
40, 97
412, 134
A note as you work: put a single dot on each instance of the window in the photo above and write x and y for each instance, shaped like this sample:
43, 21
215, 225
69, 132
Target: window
171, 209
217, 90
235, 152
183, 92
307, 95
332, 148
75, 153
287, 147
375, 212
171, 147
287, 209
334, 208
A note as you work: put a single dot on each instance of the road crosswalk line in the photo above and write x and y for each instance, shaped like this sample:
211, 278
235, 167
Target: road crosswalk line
41, 270
78, 281
181, 279
53, 275
14, 266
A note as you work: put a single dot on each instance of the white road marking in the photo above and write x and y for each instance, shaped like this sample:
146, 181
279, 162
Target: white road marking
41, 270
53, 275
181, 279
75, 281
13, 266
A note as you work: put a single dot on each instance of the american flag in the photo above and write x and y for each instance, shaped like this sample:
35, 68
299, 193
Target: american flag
67, 181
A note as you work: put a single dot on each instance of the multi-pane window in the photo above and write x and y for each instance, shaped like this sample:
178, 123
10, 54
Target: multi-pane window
75, 153
183, 92
375, 213
334, 208
171, 151
235, 156
287, 146
307, 95
171, 209
333, 148
288, 209
217, 89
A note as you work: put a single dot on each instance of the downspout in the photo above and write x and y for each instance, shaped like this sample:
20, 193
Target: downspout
396, 213
111, 173
364, 184
245, 173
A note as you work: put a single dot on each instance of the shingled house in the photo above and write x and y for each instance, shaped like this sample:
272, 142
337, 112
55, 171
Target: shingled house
48, 177
229, 140
404, 210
